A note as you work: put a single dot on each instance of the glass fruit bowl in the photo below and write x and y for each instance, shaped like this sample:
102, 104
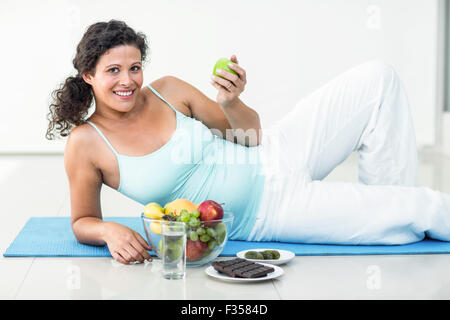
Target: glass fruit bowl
205, 239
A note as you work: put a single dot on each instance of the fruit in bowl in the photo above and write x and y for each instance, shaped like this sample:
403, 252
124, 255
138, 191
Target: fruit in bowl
195, 249
210, 210
207, 227
153, 210
176, 206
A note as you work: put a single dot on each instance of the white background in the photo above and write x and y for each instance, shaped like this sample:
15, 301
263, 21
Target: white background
288, 48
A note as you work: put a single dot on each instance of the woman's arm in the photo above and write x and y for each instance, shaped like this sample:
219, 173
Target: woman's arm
244, 120
85, 182
245, 123
228, 118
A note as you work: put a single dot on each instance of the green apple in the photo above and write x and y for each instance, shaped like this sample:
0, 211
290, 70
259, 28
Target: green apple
223, 64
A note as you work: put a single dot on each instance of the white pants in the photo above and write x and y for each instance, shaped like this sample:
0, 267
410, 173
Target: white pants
366, 110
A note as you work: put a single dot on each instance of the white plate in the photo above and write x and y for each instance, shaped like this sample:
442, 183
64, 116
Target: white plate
285, 256
210, 271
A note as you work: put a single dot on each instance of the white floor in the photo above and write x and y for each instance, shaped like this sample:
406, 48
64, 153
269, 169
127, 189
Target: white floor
36, 186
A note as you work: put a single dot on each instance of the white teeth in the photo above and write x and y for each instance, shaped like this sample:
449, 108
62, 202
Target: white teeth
126, 93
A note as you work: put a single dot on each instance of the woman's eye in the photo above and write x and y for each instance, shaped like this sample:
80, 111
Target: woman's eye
115, 70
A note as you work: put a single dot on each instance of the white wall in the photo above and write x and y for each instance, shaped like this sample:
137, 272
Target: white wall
288, 48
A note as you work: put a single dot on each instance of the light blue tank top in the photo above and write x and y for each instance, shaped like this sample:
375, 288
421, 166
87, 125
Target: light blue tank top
196, 165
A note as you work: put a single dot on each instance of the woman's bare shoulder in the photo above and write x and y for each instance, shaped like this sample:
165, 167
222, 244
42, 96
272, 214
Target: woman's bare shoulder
80, 143
80, 136
161, 83
170, 85
174, 90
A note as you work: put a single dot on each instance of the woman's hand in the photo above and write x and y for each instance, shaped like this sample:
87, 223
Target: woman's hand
125, 245
231, 85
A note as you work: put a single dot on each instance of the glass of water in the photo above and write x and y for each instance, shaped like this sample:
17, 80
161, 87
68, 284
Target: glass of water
173, 249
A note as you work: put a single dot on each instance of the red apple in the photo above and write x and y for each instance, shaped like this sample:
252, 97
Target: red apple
210, 210
195, 249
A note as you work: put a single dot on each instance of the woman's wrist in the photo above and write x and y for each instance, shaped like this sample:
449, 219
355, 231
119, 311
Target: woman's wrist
103, 231
90, 230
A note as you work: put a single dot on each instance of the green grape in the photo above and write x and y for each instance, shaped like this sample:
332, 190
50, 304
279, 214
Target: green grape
205, 238
212, 244
193, 222
185, 218
193, 235
211, 232
195, 213
184, 213
221, 230
201, 231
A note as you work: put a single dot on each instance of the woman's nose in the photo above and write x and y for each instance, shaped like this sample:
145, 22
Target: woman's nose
125, 79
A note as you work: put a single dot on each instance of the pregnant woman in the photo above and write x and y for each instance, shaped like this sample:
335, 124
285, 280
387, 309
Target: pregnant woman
167, 140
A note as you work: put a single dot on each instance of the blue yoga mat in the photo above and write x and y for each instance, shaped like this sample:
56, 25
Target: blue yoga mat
53, 237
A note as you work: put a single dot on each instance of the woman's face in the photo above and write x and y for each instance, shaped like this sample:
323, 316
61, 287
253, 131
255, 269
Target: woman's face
118, 78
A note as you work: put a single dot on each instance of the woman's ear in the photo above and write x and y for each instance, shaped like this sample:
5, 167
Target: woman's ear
87, 77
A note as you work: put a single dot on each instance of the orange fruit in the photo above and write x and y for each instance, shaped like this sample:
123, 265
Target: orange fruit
177, 205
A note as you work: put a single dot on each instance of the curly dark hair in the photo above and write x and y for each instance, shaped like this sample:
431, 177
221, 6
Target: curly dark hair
72, 100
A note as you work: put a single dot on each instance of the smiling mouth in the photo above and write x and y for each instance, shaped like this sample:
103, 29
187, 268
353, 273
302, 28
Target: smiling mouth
124, 93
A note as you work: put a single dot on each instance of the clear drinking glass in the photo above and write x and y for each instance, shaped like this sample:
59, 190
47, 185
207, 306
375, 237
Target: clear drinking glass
173, 249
